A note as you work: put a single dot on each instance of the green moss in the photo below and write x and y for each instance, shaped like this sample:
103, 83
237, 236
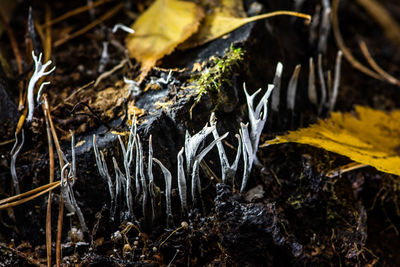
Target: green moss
213, 79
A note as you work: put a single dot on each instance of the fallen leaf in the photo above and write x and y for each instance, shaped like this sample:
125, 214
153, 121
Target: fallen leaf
226, 18
369, 136
160, 29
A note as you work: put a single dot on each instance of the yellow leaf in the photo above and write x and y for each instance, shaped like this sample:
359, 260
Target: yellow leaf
226, 18
160, 29
370, 137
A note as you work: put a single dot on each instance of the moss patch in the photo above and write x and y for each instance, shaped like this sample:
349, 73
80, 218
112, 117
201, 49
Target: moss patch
217, 76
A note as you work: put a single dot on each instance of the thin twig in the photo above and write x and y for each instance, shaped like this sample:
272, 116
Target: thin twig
378, 12
47, 44
54, 134
21, 201
48, 212
108, 73
13, 41
345, 168
40, 32
17, 54
91, 25
75, 12
183, 225
33, 191
47, 53
375, 66
61, 201
21, 120
346, 52
73, 94
7, 142
59, 231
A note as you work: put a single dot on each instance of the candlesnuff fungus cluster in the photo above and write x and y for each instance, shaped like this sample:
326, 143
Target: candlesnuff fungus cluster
228, 171
68, 171
14, 154
37, 74
250, 140
147, 192
328, 89
68, 178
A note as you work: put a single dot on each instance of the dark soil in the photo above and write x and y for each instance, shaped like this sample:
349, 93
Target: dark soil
302, 217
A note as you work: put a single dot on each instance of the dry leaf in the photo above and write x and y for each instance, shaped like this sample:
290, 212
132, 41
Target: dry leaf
226, 18
370, 137
160, 29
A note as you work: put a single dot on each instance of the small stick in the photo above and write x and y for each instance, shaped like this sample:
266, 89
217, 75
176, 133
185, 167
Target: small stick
17, 54
377, 11
54, 134
59, 231
108, 73
51, 179
375, 66
183, 225
73, 94
21, 201
61, 202
75, 12
47, 43
88, 27
345, 168
33, 191
7, 142
21, 120
346, 52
